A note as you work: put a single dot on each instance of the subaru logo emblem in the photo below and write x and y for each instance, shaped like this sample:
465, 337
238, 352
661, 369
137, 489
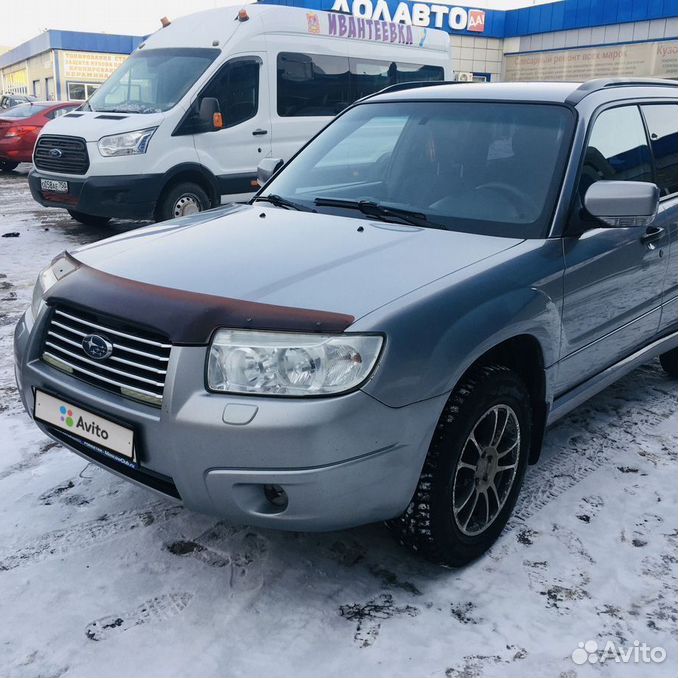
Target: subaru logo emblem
55, 153
96, 347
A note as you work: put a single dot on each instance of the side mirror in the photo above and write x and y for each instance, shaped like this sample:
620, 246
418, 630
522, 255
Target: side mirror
209, 113
623, 203
267, 168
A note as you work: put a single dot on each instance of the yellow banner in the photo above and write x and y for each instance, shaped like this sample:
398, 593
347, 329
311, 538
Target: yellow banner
90, 66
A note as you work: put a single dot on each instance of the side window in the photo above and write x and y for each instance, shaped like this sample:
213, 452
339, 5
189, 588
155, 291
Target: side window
368, 77
312, 84
236, 87
617, 149
417, 73
662, 123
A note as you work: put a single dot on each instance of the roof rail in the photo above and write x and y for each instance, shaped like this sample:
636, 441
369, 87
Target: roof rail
415, 84
599, 84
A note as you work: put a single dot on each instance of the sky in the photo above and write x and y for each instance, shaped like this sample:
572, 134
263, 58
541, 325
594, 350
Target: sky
133, 17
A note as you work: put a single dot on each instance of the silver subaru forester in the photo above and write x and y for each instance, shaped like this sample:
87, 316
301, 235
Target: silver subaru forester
385, 331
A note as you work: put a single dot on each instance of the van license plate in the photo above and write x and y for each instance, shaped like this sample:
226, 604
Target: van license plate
54, 186
83, 424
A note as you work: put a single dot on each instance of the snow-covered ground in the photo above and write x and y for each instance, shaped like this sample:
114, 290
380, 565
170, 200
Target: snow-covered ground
102, 578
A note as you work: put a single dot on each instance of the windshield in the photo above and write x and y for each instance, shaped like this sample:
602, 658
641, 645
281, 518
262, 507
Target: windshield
151, 81
491, 168
23, 111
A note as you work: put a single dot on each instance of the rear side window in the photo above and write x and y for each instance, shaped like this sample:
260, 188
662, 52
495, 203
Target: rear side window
24, 111
313, 84
662, 123
617, 149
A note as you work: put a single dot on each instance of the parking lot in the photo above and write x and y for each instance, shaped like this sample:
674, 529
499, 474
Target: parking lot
99, 577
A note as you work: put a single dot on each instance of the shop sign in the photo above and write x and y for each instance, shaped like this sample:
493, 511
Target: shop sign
423, 14
658, 59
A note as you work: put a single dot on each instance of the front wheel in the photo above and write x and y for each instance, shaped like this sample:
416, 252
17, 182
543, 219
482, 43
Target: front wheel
181, 200
89, 219
473, 471
7, 165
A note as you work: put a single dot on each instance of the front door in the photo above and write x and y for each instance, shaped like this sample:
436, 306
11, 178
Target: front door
233, 152
613, 276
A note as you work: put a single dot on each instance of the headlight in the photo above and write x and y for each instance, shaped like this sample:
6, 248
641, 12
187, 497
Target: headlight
49, 276
130, 143
274, 363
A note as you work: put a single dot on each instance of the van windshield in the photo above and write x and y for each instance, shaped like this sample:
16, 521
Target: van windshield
491, 168
151, 81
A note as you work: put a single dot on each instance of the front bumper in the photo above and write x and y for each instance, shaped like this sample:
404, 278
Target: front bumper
125, 197
342, 461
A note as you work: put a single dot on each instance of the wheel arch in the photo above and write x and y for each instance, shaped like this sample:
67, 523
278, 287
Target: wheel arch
522, 353
190, 171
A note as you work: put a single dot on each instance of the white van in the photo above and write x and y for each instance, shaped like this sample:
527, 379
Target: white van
193, 111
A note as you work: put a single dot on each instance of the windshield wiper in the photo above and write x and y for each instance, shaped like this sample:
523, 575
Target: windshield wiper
279, 201
383, 212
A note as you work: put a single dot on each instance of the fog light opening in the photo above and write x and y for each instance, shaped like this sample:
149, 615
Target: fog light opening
276, 496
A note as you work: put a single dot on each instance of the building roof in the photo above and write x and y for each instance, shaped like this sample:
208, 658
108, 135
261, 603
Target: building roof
73, 41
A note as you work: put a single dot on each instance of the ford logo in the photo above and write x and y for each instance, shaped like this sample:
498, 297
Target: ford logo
55, 153
96, 347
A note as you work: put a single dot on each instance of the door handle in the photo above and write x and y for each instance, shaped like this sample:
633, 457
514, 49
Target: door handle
652, 234
259, 132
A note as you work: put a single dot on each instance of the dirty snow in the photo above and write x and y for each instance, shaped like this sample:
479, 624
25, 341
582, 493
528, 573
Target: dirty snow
102, 578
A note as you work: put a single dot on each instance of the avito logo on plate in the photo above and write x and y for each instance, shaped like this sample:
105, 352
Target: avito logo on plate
66, 415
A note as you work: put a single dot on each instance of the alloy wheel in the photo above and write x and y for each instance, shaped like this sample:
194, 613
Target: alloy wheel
486, 470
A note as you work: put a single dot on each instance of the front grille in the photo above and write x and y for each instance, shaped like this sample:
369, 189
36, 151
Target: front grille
74, 158
136, 368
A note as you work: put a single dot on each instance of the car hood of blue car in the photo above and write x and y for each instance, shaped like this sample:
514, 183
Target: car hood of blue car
288, 258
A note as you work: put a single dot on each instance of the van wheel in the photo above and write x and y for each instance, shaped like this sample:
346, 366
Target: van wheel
7, 165
669, 362
181, 200
473, 471
89, 219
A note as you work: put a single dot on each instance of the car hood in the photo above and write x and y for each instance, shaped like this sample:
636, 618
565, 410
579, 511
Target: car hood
92, 125
288, 258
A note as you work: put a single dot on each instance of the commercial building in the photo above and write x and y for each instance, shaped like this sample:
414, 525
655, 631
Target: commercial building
63, 64
549, 40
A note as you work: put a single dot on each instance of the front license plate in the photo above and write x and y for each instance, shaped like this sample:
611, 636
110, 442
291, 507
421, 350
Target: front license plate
54, 186
83, 424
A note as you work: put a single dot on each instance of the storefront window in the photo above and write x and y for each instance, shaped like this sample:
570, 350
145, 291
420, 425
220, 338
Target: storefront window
80, 91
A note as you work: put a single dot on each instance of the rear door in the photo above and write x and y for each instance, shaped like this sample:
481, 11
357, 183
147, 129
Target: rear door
613, 279
233, 152
662, 125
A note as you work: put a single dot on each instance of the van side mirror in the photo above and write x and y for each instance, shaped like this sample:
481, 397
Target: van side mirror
622, 203
267, 168
209, 113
